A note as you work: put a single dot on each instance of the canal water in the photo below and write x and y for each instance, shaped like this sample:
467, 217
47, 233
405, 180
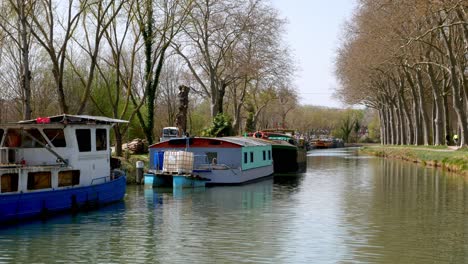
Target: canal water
345, 209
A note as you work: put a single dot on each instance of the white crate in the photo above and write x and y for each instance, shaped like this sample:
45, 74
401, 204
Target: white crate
178, 162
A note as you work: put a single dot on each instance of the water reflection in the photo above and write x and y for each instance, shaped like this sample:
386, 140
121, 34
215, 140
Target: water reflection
345, 209
415, 211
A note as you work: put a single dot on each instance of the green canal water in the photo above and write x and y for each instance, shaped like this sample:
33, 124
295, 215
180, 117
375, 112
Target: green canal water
345, 209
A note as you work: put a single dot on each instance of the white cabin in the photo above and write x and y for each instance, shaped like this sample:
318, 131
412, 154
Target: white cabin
56, 152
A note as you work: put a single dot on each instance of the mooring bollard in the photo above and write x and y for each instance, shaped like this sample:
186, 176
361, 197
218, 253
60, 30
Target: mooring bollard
139, 170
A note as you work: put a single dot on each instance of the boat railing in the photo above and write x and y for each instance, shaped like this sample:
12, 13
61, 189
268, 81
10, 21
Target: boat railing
211, 167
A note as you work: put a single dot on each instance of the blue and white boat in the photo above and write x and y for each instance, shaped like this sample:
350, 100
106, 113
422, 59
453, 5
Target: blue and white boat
54, 164
214, 161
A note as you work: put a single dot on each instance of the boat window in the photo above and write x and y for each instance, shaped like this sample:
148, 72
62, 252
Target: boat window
264, 155
13, 138
9, 182
171, 132
32, 138
83, 136
269, 154
101, 139
68, 178
245, 157
210, 156
251, 156
39, 180
56, 137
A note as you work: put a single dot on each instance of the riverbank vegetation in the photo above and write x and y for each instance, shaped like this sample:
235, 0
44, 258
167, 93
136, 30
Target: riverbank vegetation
441, 156
407, 60
126, 59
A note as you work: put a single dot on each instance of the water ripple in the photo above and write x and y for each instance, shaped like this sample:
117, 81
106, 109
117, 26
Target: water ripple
345, 209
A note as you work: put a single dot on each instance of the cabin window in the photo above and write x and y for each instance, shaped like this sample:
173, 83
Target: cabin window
83, 136
101, 139
68, 178
56, 137
212, 157
269, 154
264, 155
39, 180
32, 138
251, 156
13, 138
9, 182
245, 157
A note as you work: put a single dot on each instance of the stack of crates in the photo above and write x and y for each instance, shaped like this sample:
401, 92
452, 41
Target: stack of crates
180, 162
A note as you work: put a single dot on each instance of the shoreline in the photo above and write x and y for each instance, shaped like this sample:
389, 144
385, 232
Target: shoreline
449, 159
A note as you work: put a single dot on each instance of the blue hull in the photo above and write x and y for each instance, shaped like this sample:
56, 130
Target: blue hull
175, 181
158, 180
187, 182
17, 207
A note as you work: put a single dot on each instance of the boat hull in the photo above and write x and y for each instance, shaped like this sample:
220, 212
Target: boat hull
235, 176
23, 206
175, 181
289, 159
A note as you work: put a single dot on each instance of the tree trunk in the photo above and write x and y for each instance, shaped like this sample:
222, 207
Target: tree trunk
402, 121
422, 108
25, 72
438, 118
382, 127
414, 111
446, 116
456, 92
409, 124
118, 140
181, 118
398, 125
392, 121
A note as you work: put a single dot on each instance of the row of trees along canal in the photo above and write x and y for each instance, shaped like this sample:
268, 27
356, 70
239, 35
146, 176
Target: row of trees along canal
125, 59
408, 60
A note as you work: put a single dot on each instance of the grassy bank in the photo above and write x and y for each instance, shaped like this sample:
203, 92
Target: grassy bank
128, 165
434, 156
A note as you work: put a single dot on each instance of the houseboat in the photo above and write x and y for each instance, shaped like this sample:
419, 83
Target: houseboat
216, 161
54, 164
289, 154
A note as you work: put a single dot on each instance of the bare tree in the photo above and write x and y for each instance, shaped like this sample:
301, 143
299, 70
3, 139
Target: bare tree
53, 29
158, 34
16, 29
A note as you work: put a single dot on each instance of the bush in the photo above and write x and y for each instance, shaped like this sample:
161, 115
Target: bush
221, 126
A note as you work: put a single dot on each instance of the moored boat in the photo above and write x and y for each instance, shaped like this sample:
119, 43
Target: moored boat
218, 161
289, 155
54, 164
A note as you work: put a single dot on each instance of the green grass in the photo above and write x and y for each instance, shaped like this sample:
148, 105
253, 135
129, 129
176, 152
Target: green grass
441, 156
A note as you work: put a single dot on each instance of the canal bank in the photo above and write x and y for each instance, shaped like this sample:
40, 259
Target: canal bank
128, 164
446, 158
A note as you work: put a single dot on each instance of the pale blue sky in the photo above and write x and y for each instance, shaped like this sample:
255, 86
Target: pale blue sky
312, 33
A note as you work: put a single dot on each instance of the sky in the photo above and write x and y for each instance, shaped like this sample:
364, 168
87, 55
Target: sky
312, 32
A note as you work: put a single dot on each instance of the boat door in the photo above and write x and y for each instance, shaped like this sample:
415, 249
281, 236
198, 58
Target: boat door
93, 157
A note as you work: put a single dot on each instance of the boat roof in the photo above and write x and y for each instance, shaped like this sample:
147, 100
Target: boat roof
246, 141
289, 132
205, 142
73, 119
